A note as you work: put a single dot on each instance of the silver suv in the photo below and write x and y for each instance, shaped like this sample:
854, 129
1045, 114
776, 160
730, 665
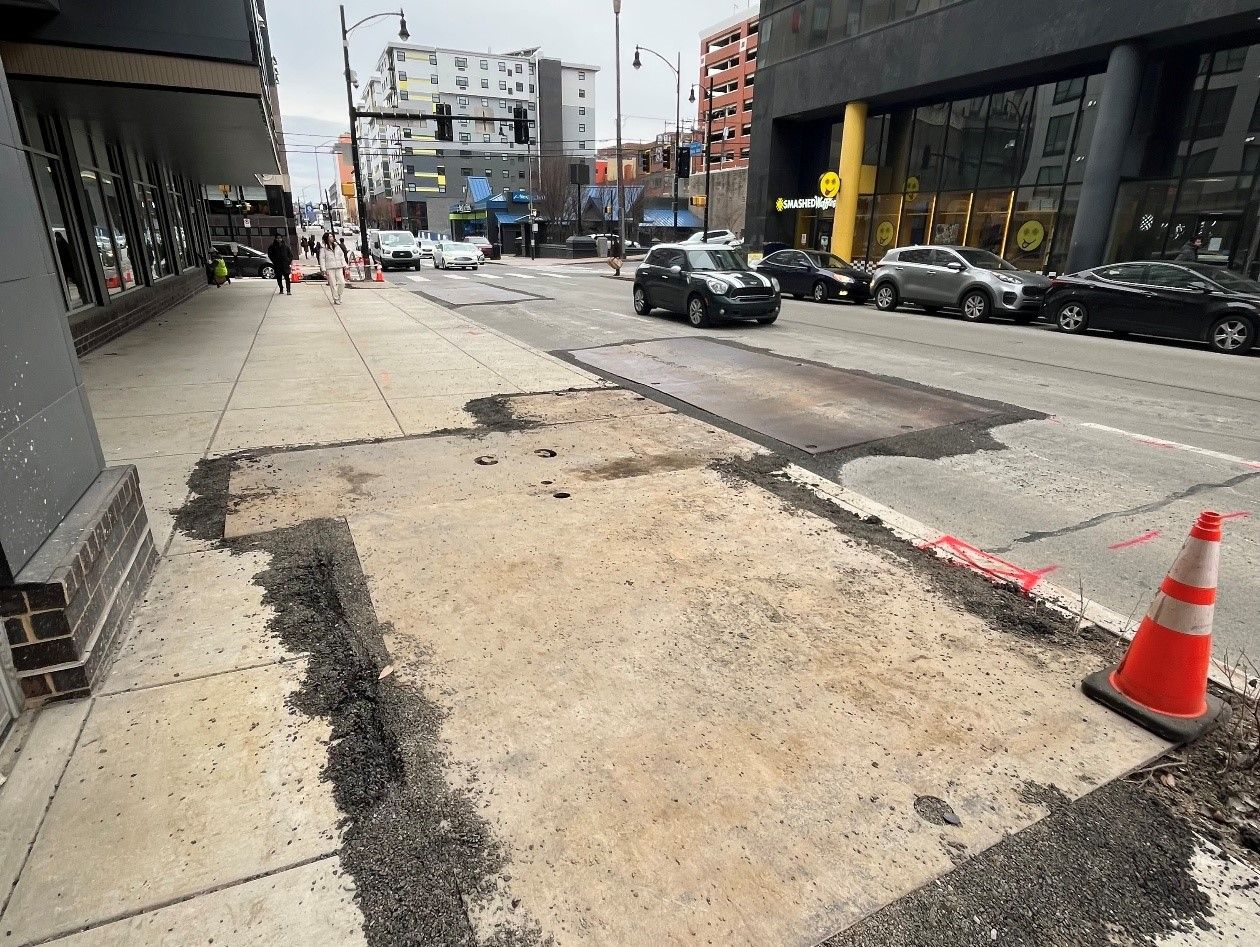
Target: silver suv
976, 281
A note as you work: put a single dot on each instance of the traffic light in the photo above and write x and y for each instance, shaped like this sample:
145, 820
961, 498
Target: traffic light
520, 125
684, 161
666, 155
445, 127
645, 161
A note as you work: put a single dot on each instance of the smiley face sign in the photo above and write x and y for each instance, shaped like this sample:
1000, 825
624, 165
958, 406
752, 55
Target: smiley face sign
884, 233
1030, 236
829, 184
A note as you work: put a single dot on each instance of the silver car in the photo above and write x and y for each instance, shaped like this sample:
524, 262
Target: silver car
976, 281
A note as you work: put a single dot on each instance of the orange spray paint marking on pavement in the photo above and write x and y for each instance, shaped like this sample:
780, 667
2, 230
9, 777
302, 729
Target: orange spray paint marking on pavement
1136, 540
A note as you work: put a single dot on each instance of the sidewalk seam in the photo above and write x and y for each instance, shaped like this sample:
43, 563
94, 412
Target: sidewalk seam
367, 368
170, 902
17, 878
141, 688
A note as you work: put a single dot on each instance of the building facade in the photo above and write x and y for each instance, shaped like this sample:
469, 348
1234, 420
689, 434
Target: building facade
416, 182
108, 134
1060, 136
728, 68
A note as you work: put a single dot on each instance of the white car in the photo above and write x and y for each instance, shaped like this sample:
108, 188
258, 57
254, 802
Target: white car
448, 255
426, 248
727, 237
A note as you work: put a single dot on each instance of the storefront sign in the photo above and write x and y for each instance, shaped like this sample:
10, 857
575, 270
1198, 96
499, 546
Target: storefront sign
884, 233
829, 184
805, 203
1030, 235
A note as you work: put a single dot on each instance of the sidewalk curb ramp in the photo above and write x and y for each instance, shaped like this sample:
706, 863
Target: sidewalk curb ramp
1161, 683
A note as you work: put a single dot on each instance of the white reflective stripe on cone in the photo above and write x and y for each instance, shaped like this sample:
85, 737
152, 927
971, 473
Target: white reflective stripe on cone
1197, 563
1181, 616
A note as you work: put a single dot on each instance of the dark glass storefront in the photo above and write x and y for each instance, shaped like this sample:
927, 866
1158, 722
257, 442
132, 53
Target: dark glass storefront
114, 221
999, 171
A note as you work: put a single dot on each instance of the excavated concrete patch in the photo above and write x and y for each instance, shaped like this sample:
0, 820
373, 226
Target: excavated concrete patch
686, 710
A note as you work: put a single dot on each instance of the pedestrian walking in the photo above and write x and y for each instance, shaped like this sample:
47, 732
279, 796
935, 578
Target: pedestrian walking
281, 258
306, 246
1190, 251
614, 255
333, 262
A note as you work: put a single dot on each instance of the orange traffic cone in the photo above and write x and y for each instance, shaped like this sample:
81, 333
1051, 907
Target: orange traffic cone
295, 272
380, 274
1162, 681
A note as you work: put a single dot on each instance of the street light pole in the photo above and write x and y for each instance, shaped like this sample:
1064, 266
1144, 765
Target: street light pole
360, 203
677, 112
708, 154
621, 190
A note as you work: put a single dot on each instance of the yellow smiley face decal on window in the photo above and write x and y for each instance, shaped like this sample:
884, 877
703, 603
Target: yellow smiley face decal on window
1030, 236
884, 233
829, 184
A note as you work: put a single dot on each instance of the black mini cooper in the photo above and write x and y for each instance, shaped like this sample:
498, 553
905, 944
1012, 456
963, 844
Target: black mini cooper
707, 282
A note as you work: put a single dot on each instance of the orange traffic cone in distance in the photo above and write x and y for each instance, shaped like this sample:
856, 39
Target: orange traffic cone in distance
380, 274
1162, 681
295, 272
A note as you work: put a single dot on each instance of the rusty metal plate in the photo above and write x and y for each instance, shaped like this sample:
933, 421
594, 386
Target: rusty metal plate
816, 408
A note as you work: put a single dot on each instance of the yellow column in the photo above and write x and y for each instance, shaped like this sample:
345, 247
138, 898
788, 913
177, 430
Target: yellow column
852, 141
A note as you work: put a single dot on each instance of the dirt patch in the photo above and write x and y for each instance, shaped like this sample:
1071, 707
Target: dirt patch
642, 466
420, 855
1001, 604
951, 440
495, 414
1117, 862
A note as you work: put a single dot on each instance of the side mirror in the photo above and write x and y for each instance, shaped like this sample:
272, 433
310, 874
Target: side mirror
675, 269
955, 266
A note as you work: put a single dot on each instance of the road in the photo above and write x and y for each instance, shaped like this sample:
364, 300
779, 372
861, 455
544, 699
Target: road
1128, 441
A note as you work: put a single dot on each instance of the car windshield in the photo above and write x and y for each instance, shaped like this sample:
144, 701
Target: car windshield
458, 248
1231, 281
983, 259
827, 261
396, 239
715, 258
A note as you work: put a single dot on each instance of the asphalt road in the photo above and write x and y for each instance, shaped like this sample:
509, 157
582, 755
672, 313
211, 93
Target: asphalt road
1139, 435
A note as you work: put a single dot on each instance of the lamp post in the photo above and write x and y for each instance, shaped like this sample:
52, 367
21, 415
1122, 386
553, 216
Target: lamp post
621, 190
403, 35
638, 64
708, 144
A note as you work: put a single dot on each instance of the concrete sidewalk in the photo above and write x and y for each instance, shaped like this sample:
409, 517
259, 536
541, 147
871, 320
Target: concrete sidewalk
452, 644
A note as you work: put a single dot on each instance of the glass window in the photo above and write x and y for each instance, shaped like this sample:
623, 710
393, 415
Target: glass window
179, 229
950, 223
113, 261
1174, 277
1124, 273
1058, 132
915, 215
927, 148
1068, 90
1031, 232
151, 232
915, 256
1006, 138
61, 230
964, 143
989, 213
1214, 112
1142, 219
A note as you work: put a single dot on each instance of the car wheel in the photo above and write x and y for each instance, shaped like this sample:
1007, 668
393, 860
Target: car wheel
886, 297
767, 320
1232, 335
1071, 317
975, 306
698, 312
641, 304
267, 272
820, 292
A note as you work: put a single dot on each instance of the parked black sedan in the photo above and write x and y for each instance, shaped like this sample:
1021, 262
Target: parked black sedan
820, 276
245, 261
707, 282
1190, 301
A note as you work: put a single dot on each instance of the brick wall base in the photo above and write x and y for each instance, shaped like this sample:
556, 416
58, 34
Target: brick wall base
63, 614
94, 327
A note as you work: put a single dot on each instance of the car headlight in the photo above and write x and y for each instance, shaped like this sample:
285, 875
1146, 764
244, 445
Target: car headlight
842, 279
716, 286
1007, 278
774, 283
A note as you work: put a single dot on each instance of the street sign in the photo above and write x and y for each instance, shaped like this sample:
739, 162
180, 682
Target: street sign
245, 222
696, 148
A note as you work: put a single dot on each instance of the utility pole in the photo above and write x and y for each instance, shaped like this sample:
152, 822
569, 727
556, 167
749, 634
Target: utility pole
708, 153
621, 189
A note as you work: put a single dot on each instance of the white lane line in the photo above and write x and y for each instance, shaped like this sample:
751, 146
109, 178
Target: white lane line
523, 276
1174, 445
489, 276
419, 279
556, 275
456, 276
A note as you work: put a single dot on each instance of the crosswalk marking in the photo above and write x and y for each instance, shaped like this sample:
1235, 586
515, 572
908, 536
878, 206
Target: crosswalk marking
455, 276
524, 276
490, 276
418, 279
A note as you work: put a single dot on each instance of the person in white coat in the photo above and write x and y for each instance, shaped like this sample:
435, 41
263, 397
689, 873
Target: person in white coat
333, 263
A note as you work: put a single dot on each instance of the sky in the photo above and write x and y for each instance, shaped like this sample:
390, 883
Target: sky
305, 37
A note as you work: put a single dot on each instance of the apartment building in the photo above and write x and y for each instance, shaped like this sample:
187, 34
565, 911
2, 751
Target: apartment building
416, 182
728, 69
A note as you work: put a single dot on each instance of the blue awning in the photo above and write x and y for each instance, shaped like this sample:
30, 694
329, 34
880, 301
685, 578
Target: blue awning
510, 216
478, 189
664, 217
